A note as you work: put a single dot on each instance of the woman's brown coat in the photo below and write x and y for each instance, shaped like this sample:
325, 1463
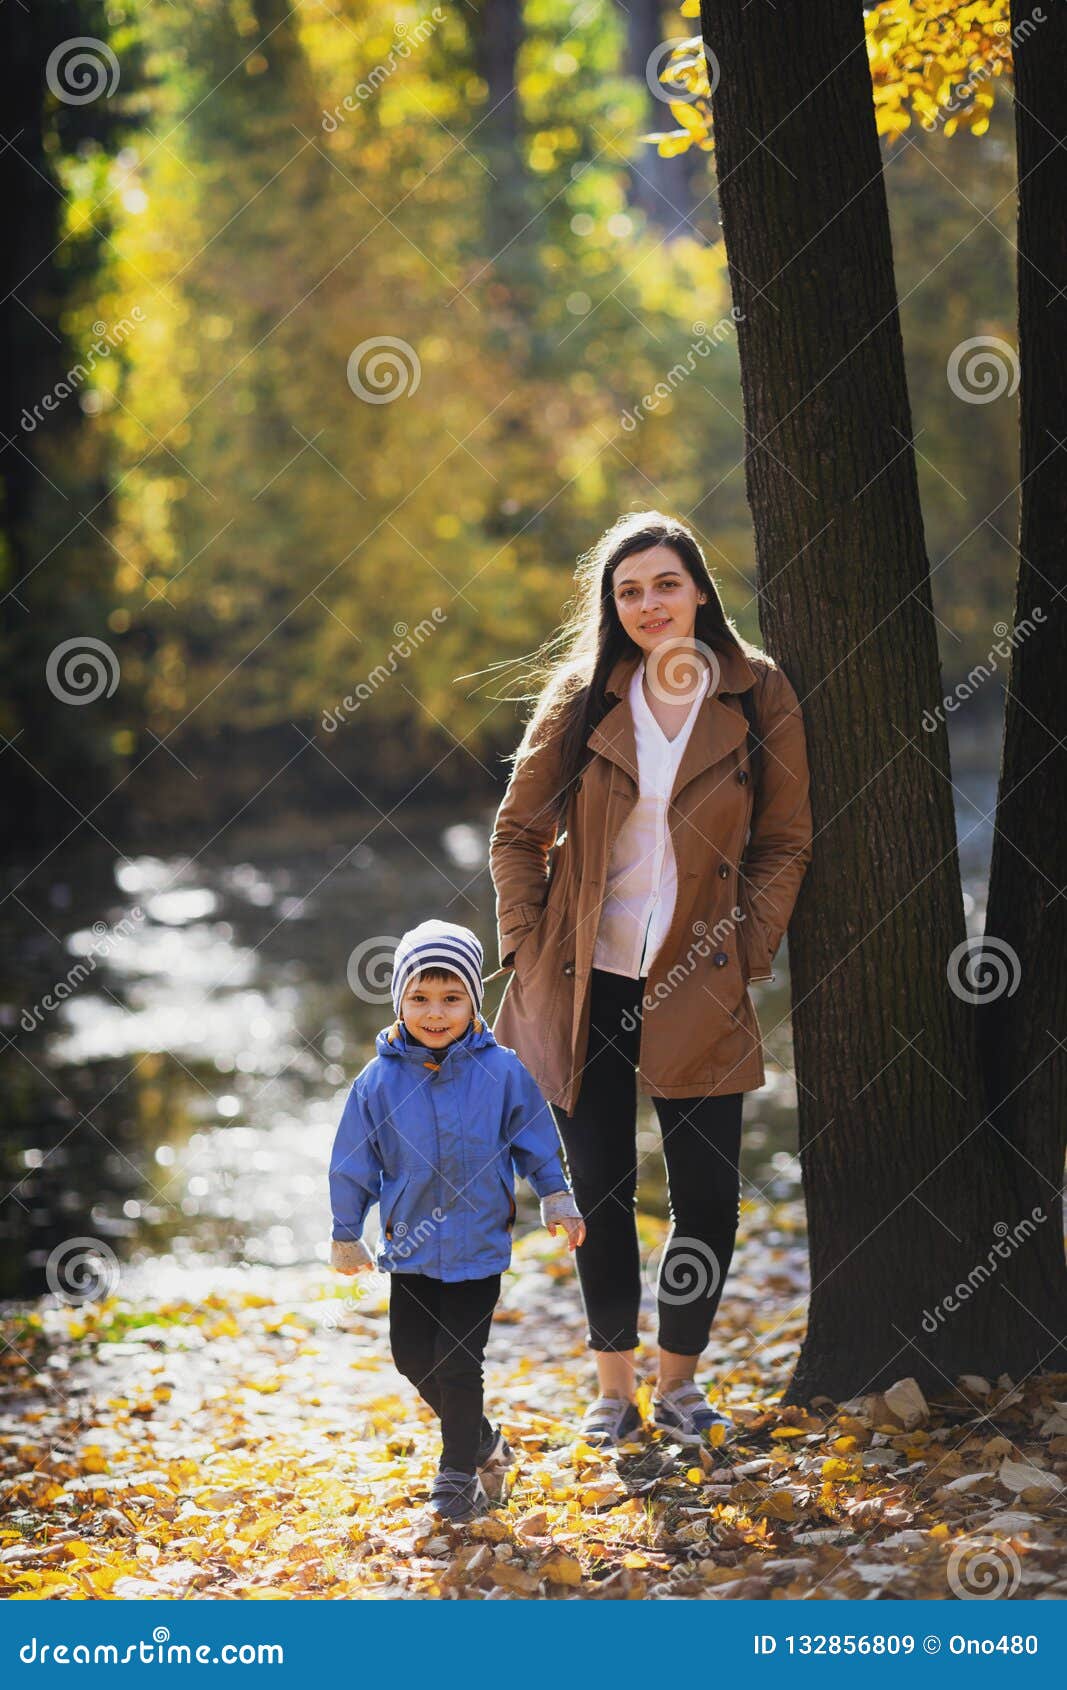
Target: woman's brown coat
699, 1032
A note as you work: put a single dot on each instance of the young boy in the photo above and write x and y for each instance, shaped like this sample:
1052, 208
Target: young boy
431, 1131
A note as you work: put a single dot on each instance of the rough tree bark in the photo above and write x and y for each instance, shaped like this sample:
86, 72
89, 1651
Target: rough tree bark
1024, 1021
909, 1187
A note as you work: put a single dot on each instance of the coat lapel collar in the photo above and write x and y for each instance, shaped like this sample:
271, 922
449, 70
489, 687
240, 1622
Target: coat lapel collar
720, 723
613, 736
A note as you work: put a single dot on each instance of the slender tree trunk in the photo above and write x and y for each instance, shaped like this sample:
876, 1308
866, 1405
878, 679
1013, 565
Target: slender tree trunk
1024, 1021
662, 187
904, 1178
499, 140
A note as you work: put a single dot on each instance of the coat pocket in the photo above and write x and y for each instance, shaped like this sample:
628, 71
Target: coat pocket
752, 949
390, 1202
517, 926
522, 949
509, 1192
517, 952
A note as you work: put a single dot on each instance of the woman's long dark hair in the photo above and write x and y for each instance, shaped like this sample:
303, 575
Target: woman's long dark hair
574, 665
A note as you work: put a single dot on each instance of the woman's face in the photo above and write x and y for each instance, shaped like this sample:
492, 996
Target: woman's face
655, 596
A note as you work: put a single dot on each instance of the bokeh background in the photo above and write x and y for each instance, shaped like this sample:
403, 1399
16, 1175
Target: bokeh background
337, 332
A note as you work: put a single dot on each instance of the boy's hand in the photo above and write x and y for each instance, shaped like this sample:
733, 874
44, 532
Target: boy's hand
574, 1228
349, 1256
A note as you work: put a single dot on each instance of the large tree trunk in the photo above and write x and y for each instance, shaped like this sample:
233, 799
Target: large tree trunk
1024, 1020
905, 1181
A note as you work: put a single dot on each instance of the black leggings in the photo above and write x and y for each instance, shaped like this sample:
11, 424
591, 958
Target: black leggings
701, 1147
438, 1330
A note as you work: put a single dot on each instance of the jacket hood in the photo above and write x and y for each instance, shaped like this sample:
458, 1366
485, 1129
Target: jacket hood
395, 1041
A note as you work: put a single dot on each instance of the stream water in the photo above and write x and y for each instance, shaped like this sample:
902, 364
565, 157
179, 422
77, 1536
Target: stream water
181, 1030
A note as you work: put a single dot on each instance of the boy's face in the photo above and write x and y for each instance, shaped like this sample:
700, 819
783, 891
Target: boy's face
436, 1012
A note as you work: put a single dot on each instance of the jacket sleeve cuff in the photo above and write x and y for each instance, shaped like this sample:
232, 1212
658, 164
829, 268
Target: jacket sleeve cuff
347, 1254
520, 920
558, 1206
757, 952
548, 1178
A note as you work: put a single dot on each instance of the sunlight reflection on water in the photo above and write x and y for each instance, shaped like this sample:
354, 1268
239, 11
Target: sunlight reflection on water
212, 1050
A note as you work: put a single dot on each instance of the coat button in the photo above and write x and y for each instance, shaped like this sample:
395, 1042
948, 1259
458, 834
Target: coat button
568, 968
742, 776
720, 959
724, 871
578, 784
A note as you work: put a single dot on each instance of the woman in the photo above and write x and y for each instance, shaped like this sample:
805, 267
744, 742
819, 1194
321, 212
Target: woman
646, 859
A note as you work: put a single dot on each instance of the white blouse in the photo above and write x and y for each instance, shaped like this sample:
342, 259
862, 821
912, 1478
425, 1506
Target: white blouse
642, 878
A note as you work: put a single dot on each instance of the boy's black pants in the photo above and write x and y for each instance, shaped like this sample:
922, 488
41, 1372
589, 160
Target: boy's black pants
438, 1330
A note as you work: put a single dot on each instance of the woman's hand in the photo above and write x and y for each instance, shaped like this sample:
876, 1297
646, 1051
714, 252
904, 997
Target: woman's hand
574, 1228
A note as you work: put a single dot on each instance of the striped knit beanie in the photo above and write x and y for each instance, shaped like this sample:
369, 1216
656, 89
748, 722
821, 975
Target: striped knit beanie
438, 944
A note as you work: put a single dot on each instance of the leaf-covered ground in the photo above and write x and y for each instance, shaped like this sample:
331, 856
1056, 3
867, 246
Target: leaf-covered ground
251, 1439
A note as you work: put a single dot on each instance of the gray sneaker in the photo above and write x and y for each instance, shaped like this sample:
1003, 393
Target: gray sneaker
494, 1452
458, 1496
686, 1415
609, 1421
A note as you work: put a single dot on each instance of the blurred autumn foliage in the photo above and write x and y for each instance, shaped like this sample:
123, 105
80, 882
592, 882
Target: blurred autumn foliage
932, 64
275, 189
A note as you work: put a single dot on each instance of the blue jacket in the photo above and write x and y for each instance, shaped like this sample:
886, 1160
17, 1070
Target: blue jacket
435, 1137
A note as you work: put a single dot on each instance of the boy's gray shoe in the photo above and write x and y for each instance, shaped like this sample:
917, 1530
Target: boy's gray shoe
494, 1452
686, 1415
609, 1421
458, 1496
